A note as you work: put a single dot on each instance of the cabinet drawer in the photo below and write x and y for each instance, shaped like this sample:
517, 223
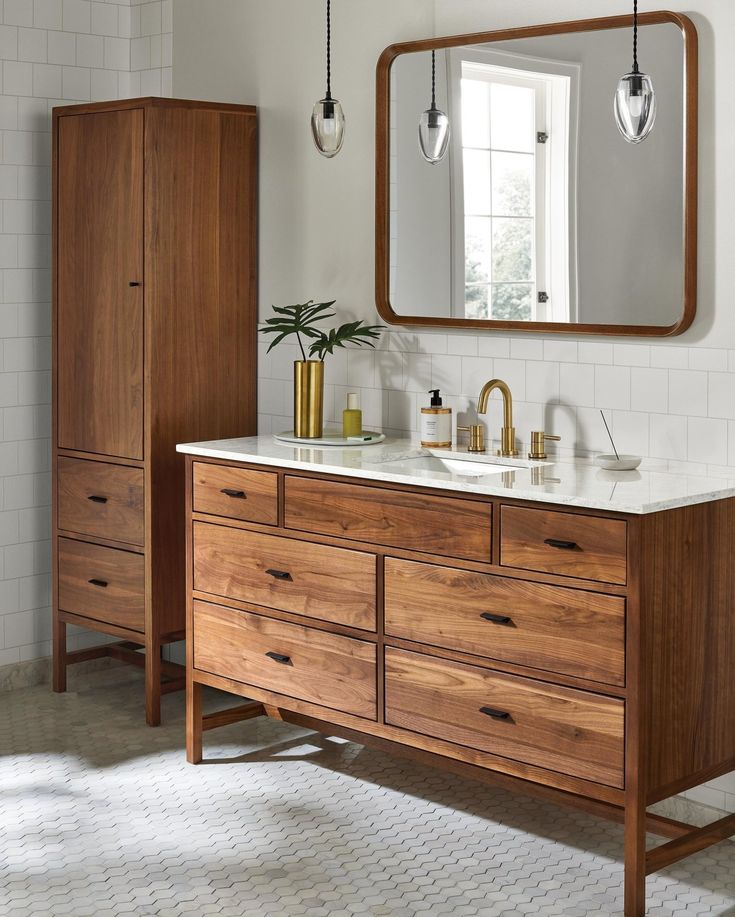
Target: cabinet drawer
239, 493
587, 547
545, 627
568, 731
107, 501
416, 522
302, 662
318, 581
102, 583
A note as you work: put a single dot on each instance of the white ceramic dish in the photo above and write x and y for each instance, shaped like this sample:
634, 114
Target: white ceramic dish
612, 462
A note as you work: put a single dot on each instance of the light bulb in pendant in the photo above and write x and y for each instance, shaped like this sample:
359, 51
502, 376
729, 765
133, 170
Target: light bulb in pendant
434, 129
328, 126
635, 106
328, 119
635, 100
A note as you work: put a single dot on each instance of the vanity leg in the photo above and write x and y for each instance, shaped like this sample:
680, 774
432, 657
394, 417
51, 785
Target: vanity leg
193, 721
59, 661
153, 682
635, 854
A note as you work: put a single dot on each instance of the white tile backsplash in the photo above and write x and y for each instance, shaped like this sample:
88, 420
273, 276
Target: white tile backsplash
51, 52
661, 405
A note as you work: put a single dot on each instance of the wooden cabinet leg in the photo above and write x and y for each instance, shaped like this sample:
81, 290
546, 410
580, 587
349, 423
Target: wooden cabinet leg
153, 683
59, 654
635, 857
193, 721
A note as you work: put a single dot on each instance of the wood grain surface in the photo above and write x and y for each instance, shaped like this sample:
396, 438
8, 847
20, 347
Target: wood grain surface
545, 627
332, 584
322, 668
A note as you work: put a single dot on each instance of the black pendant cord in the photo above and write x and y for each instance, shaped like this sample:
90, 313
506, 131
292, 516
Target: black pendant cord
433, 80
635, 37
329, 49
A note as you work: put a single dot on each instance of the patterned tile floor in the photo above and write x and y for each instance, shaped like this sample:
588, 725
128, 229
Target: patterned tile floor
101, 816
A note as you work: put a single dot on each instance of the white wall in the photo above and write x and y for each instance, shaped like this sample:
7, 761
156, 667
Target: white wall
668, 399
52, 53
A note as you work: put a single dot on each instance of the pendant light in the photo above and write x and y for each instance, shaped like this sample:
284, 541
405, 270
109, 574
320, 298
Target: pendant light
328, 120
433, 126
635, 100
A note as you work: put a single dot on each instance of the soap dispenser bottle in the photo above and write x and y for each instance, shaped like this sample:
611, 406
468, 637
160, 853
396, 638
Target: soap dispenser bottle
436, 423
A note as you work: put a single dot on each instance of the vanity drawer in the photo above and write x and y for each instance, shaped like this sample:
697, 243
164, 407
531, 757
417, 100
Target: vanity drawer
587, 547
314, 580
104, 584
106, 501
417, 522
301, 662
239, 493
545, 627
561, 729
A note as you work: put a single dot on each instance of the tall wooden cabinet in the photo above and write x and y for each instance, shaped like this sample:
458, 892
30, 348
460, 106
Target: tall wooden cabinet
155, 317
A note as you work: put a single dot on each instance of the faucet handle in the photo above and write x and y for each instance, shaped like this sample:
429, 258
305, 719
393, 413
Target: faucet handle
538, 444
477, 437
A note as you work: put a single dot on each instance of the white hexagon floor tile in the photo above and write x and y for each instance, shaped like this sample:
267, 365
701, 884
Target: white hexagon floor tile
101, 816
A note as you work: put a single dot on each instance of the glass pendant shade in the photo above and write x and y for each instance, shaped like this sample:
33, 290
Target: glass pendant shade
433, 135
328, 127
328, 119
635, 106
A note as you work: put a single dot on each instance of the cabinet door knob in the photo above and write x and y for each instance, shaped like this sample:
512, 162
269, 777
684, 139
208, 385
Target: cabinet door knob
279, 657
279, 574
97, 499
559, 543
98, 582
133, 283
495, 714
238, 494
496, 619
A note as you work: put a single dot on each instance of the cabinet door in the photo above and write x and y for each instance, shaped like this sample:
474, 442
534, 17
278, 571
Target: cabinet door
99, 250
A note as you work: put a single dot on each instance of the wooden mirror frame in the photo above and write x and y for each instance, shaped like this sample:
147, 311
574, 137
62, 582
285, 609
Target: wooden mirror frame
690, 190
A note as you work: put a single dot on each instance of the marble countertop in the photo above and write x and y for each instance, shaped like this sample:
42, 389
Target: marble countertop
576, 482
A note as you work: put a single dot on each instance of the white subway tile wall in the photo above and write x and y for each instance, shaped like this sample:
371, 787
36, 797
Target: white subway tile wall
666, 402
53, 52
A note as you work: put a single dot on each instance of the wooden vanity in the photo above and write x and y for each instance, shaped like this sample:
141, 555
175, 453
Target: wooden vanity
571, 653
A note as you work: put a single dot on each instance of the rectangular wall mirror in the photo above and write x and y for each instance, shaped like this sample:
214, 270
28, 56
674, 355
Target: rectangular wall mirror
540, 216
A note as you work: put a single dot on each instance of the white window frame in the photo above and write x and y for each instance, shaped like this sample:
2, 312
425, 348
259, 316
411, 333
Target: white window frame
557, 115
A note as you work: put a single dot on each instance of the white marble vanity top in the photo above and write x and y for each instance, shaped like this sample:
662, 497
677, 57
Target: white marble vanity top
577, 482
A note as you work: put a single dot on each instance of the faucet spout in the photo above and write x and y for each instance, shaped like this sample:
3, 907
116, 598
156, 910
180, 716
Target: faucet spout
507, 437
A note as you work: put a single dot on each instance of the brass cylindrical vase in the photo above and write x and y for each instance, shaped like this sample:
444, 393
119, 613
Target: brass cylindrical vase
308, 398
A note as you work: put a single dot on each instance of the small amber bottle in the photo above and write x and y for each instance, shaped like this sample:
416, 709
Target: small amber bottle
352, 417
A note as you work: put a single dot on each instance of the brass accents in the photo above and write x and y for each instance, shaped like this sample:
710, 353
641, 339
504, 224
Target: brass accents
508, 432
538, 444
308, 398
477, 437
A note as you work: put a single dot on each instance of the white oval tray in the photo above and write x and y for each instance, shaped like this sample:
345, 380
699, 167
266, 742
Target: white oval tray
331, 438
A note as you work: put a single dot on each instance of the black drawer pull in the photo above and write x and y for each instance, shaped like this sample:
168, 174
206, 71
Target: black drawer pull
238, 494
279, 574
496, 619
98, 582
562, 545
279, 657
95, 499
133, 283
495, 714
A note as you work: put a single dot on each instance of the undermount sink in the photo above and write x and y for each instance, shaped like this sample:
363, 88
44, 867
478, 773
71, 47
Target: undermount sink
457, 466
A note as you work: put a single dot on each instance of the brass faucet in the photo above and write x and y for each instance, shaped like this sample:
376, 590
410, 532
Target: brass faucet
508, 433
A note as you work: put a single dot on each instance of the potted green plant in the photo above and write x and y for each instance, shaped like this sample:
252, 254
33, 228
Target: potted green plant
301, 320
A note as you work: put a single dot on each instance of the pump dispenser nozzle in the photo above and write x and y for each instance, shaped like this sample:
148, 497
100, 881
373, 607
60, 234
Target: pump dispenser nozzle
436, 400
